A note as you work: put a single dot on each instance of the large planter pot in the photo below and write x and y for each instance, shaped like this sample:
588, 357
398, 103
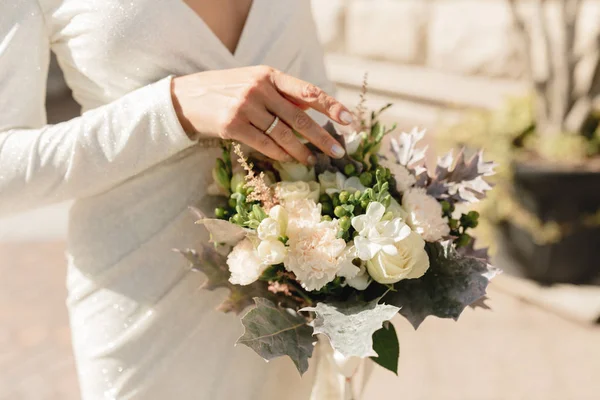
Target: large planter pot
566, 197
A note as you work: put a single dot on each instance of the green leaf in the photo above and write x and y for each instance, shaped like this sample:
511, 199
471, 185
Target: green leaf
272, 332
385, 344
350, 325
451, 283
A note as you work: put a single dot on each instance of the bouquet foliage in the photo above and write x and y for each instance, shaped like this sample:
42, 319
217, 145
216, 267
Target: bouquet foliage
340, 248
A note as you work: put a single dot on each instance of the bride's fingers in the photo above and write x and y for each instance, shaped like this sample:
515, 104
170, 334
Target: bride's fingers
263, 143
284, 136
306, 94
305, 125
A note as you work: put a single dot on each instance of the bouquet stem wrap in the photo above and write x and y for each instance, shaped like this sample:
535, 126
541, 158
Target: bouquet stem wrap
338, 377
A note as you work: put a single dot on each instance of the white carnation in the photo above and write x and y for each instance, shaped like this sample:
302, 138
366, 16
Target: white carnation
244, 263
301, 214
315, 254
404, 179
425, 215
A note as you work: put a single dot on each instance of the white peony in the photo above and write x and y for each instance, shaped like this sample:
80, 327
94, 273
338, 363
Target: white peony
336, 182
410, 261
315, 254
244, 263
293, 172
291, 191
425, 215
375, 235
271, 252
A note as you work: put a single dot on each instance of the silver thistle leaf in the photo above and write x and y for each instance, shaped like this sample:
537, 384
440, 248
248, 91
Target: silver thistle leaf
350, 326
221, 231
404, 148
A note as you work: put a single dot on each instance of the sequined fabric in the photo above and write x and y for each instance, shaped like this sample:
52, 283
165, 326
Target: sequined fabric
142, 327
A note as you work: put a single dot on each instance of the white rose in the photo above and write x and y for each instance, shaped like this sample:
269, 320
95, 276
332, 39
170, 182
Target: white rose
291, 191
269, 229
410, 261
425, 215
272, 252
279, 214
244, 263
292, 172
328, 180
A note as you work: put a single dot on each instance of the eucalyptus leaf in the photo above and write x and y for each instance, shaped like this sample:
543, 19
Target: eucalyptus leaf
451, 283
221, 231
273, 331
387, 347
350, 325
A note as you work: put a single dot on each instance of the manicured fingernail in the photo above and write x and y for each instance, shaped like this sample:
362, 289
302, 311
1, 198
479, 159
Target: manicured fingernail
346, 117
338, 151
312, 160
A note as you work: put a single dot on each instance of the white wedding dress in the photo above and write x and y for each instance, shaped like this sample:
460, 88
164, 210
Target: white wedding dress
142, 326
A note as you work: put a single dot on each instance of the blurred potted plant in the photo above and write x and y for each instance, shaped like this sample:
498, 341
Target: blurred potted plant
547, 205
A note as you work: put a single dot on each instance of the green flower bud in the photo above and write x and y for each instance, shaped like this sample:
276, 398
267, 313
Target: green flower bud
326, 208
445, 207
351, 199
374, 160
237, 183
388, 216
324, 198
237, 219
463, 240
387, 200
345, 223
453, 223
339, 212
326, 218
335, 199
221, 177
364, 204
366, 178
232, 203
349, 169
344, 197
474, 215
258, 212
357, 195
220, 212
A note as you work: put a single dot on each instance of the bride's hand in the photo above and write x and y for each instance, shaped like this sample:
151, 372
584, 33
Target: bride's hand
242, 103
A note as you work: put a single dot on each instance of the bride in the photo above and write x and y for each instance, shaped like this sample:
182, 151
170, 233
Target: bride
160, 83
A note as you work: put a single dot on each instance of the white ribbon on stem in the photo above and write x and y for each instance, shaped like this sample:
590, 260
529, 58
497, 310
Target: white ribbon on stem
338, 377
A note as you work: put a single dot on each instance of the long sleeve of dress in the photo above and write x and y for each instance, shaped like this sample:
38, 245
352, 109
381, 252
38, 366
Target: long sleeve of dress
41, 164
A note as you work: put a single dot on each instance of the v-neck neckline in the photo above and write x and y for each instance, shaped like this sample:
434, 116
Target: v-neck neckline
248, 24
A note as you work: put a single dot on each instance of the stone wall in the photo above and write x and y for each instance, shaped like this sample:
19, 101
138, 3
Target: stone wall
466, 37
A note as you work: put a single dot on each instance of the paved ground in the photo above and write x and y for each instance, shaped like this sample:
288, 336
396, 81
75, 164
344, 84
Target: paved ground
516, 351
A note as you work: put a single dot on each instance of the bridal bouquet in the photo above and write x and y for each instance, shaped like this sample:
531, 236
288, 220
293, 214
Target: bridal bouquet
340, 248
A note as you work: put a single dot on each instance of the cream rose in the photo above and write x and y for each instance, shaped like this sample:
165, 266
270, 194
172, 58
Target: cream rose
410, 261
292, 191
294, 172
